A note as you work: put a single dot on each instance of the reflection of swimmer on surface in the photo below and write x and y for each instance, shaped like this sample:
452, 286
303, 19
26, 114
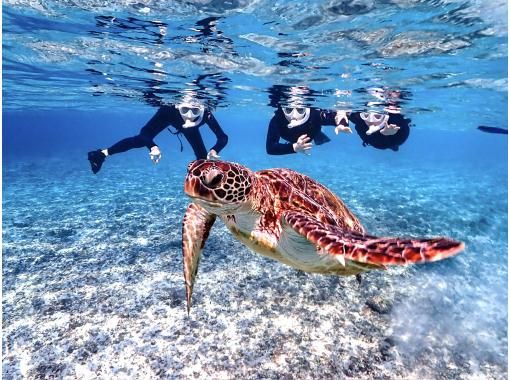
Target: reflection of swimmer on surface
185, 117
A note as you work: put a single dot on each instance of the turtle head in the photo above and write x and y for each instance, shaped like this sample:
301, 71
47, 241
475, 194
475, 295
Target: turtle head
218, 186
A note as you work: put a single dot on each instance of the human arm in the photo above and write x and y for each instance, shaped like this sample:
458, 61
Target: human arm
273, 145
340, 119
161, 119
221, 136
394, 123
302, 145
389, 129
154, 126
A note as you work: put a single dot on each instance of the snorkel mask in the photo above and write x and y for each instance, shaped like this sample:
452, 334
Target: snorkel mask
374, 121
294, 110
296, 115
192, 112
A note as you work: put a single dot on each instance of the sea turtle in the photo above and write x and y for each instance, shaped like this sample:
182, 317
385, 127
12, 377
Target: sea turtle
292, 218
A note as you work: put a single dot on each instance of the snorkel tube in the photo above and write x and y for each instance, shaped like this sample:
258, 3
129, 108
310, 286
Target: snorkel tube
191, 111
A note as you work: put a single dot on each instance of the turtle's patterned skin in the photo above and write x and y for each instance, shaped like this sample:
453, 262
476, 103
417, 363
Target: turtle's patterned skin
291, 218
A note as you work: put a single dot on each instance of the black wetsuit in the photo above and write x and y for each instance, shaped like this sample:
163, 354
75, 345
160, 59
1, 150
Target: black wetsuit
166, 116
377, 139
278, 128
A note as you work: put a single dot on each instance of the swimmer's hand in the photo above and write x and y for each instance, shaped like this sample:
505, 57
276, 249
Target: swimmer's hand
212, 155
389, 129
342, 122
155, 154
373, 129
303, 145
341, 118
342, 128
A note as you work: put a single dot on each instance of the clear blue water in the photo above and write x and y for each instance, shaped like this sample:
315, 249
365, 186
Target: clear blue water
92, 277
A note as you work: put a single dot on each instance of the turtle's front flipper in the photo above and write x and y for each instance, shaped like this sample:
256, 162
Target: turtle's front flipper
344, 245
196, 225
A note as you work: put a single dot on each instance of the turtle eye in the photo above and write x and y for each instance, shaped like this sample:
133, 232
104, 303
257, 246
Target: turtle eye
212, 179
215, 181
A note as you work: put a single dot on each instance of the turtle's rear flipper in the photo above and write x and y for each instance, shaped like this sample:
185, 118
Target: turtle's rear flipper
196, 225
345, 245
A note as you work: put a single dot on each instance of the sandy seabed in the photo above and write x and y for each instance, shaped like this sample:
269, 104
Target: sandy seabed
93, 289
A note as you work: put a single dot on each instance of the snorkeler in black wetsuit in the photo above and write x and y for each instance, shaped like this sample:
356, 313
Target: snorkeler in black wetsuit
186, 118
298, 126
381, 130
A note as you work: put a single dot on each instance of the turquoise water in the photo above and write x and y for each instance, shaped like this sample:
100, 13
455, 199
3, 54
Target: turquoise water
92, 268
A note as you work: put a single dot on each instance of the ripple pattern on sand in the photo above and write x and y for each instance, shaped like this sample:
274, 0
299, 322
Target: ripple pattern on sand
93, 288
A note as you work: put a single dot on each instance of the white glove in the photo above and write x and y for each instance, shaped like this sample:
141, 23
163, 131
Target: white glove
342, 122
341, 116
155, 154
303, 145
212, 155
373, 129
390, 129
342, 128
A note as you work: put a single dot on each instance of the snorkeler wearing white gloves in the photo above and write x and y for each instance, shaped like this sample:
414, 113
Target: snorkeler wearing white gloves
387, 130
300, 125
185, 117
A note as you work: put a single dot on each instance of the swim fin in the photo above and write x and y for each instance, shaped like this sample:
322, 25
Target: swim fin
96, 158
